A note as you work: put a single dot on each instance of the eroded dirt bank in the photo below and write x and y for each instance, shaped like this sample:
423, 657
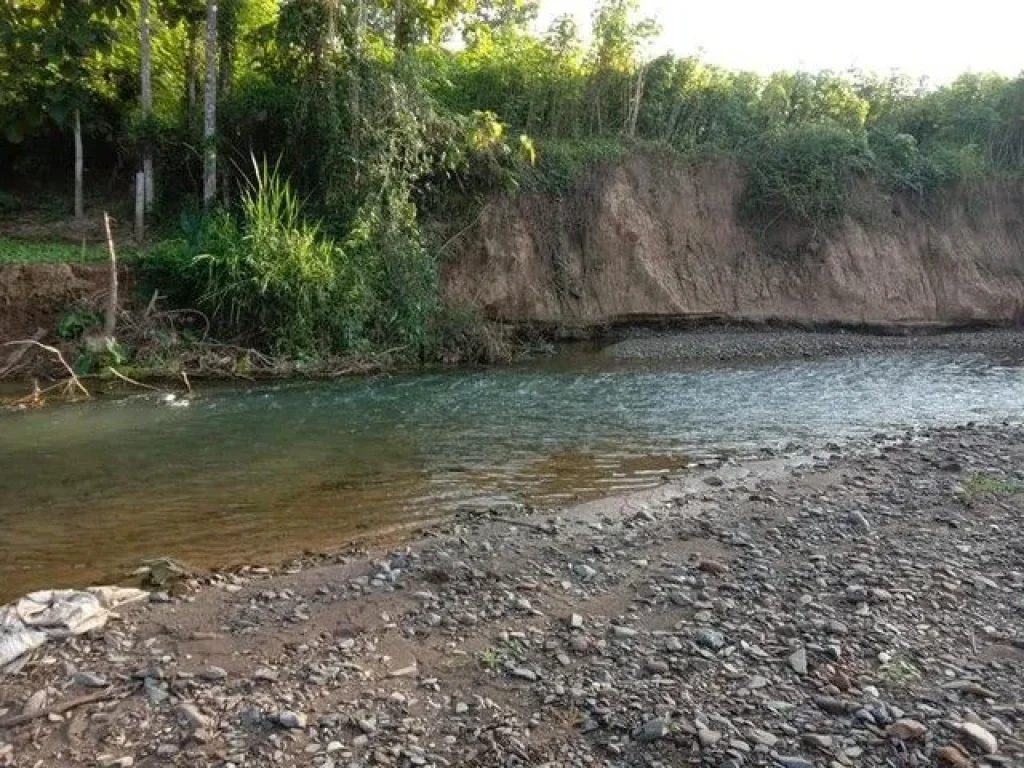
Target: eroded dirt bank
851, 610
651, 237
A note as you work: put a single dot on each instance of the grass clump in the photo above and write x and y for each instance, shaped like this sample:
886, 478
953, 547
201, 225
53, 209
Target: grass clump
14, 251
980, 484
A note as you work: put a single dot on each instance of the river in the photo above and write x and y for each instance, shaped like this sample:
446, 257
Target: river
258, 473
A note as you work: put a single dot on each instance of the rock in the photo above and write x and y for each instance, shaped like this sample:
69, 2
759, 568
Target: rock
980, 737
623, 632
89, 680
953, 757
859, 522
213, 674
108, 761
708, 738
583, 571
792, 762
798, 661
831, 705
576, 621
657, 666
524, 673
763, 737
36, 702
757, 682
654, 729
265, 675
906, 730
714, 481
461, 708
286, 718
367, 726
408, 671
192, 715
821, 741
711, 639
713, 567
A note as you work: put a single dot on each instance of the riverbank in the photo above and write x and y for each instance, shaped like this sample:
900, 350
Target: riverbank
851, 609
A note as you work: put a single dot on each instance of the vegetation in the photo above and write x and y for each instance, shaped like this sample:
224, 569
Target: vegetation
14, 251
296, 151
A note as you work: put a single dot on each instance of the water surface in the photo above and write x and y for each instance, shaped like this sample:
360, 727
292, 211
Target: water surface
261, 472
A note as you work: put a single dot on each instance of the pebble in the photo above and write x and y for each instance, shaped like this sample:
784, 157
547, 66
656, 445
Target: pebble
524, 673
906, 730
192, 715
711, 639
798, 661
286, 718
654, 729
980, 737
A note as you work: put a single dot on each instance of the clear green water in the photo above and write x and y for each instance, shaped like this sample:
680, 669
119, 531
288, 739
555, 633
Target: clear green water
258, 473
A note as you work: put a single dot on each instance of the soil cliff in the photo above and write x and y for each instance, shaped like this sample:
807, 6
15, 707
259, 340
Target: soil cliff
652, 237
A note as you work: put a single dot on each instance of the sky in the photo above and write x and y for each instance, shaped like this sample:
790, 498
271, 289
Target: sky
934, 38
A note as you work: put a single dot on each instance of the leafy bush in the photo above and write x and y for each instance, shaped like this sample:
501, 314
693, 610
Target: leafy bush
804, 172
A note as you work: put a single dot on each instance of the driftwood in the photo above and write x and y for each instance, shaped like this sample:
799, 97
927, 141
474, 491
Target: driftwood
15, 357
56, 709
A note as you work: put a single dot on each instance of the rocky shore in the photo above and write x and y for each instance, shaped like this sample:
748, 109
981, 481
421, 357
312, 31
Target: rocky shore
864, 608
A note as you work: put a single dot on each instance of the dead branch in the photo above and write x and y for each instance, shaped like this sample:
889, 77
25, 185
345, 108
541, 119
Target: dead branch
16, 356
135, 383
72, 377
56, 709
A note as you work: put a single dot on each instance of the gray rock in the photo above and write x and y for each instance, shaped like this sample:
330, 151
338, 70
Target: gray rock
787, 761
798, 661
286, 718
192, 715
524, 673
89, 680
213, 674
654, 729
624, 632
707, 737
711, 639
583, 571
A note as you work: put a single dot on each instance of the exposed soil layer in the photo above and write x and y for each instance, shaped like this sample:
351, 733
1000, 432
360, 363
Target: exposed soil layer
857, 609
652, 237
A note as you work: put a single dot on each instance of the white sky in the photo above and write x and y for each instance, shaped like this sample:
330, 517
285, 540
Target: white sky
937, 38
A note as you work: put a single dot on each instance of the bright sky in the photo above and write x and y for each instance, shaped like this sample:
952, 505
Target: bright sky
936, 38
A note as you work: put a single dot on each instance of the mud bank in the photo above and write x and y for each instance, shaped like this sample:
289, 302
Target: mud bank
842, 610
652, 237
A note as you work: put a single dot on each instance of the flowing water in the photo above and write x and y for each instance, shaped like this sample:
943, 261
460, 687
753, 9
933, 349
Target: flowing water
262, 472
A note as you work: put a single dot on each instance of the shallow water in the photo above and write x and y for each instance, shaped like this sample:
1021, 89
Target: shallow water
258, 473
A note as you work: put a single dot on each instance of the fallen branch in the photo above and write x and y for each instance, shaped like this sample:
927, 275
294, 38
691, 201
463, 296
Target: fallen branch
56, 709
72, 377
135, 383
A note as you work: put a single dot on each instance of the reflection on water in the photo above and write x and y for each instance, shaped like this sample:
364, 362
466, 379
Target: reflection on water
261, 472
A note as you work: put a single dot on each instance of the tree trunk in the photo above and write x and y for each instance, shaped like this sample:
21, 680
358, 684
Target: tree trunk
210, 108
146, 68
191, 70
79, 167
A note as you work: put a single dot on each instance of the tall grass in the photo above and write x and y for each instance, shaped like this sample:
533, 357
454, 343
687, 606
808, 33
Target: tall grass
270, 273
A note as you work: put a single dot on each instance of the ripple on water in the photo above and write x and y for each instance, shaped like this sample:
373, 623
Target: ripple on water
262, 472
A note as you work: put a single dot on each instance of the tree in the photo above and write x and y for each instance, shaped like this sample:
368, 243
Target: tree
146, 72
51, 48
210, 108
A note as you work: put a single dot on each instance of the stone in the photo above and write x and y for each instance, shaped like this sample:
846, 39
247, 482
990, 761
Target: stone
906, 730
654, 729
708, 738
624, 632
576, 621
980, 737
286, 718
584, 571
763, 737
367, 726
952, 757
89, 680
109, 761
213, 674
524, 673
859, 522
711, 639
798, 661
192, 715
713, 567
787, 761
819, 740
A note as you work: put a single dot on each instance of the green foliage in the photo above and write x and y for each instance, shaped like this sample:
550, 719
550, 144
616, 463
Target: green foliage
13, 251
805, 172
980, 484
269, 273
75, 321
